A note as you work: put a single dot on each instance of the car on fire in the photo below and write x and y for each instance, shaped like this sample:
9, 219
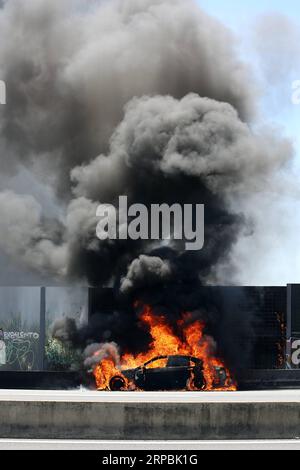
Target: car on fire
165, 373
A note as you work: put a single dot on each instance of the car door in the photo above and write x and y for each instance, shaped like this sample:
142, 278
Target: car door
167, 376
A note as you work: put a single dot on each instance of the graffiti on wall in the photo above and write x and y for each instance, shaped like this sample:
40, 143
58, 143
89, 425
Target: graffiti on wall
21, 350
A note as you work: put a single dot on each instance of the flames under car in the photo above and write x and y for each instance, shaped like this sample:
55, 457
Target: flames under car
166, 373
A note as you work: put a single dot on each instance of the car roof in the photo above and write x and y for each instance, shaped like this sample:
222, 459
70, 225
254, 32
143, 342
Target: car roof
170, 356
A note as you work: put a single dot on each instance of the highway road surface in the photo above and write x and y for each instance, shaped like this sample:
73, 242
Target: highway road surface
82, 395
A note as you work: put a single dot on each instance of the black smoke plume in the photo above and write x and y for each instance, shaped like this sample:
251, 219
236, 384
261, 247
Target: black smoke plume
144, 98
128, 97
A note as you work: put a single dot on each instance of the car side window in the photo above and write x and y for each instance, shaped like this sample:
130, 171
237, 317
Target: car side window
157, 364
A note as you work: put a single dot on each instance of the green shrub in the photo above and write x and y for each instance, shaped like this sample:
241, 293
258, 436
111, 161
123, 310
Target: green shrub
60, 357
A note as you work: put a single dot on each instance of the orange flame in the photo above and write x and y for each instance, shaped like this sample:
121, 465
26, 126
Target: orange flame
165, 342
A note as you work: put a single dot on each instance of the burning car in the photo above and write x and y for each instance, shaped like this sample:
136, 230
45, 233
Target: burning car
162, 373
172, 362
166, 373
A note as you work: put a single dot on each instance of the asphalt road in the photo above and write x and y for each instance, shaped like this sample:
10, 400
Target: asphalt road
165, 446
288, 396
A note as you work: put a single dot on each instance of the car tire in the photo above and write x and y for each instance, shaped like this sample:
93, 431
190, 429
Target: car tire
117, 383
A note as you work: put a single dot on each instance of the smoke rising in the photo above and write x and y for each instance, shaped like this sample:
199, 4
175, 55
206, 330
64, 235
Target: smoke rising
70, 71
144, 98
165, 150
145, 269
95, 353
70, 68
25, 236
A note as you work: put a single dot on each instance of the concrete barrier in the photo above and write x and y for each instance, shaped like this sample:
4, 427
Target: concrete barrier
114, 420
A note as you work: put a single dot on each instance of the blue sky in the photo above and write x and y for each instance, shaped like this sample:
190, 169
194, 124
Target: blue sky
235, 12
241, 16
277, 236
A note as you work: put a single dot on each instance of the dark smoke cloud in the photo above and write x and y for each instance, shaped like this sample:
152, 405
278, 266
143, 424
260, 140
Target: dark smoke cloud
137, 97
65, 330
165, 150
150, 270
144, 98
70, 69
189, 151
189, 138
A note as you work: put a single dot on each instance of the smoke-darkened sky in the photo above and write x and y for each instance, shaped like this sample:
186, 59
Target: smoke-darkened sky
158, 100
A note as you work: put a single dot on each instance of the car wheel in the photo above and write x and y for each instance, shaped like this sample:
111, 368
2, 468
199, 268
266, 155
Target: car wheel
117, 384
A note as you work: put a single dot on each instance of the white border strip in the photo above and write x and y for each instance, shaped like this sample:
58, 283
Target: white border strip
83, 396
23, 444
